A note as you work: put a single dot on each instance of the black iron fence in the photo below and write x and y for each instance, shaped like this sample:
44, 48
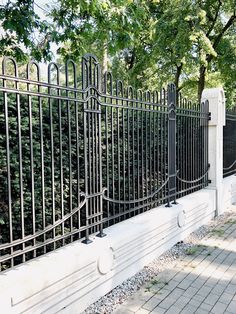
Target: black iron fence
80, 152
192, 146
229, 144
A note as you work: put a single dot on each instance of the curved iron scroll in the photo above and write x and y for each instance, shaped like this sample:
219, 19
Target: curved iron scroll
192, 181
47, 229
227, 168
134, 201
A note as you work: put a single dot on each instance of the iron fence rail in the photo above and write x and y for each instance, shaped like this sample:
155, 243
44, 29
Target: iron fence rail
81, 152
229, 144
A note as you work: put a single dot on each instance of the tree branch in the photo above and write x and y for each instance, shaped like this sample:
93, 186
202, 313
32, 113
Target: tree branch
214, 19
221, 34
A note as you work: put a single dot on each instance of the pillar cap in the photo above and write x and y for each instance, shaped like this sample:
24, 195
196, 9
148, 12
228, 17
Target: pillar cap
216, 99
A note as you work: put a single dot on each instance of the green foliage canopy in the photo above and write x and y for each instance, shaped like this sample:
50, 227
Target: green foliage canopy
147, 43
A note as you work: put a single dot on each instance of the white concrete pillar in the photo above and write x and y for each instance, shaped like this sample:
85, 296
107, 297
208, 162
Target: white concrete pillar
216, 98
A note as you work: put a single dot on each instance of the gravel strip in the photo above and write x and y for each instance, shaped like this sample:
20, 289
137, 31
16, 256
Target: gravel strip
118, 295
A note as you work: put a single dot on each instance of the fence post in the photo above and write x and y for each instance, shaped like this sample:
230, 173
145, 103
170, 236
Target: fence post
171, 98
91, 85
216, 99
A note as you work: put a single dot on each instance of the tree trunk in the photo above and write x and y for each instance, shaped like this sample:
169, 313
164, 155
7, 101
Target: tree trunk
105, 58
177, 78
201, 81
177, 75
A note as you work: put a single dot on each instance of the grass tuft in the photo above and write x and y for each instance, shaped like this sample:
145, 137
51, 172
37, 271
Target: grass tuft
218, 232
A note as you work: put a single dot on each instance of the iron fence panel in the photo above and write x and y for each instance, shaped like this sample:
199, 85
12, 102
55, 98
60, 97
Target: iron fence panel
81, 152
229, 144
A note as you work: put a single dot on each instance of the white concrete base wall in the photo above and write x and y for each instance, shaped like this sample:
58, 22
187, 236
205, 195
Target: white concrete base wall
71, 278
229, 192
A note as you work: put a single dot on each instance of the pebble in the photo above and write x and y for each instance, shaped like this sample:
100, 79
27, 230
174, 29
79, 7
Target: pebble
108, 303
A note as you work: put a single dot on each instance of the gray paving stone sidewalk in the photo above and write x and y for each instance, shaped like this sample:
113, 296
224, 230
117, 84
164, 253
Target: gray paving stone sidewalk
202, 282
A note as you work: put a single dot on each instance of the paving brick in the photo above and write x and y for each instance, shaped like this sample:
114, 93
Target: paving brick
137, 300
163, 293
198, 297
158, 310
176, 293
211, 282
211, 299
142, 311
198, 283
171, 285
181, 302
189, 309
231, 289
190, 292
219, 308
232, 306
122, 310
206, 307
226, 298
200, 311
167, 303
152, 303
195, 302
180, 276
204, 291
185, 284
217, 290
173, 310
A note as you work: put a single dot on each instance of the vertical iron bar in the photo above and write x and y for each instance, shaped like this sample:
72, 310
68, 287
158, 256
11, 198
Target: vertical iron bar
181, 173
42, 166
77, 158
150, 147
93, 177
100, 188
158, 149
171, 98
128, 151
70, 161
97, 161
8, 164
186, 143
95, 181
191, 147
31, 164
85, 83
142, 147
195, 174
206, 111
207, 135
138, 145
59, 105
197, 140
118, 139
112, 160
146, 147
52, 153
164, 139
156, 146
183, 156
161, 136
133, 150
20, 164
123, 153
107, 141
